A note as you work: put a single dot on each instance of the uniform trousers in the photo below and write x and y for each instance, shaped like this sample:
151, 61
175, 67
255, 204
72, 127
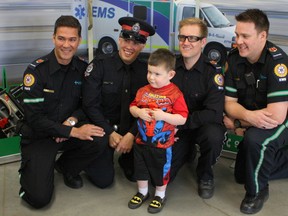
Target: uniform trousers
210, 138
262, 156
38, 160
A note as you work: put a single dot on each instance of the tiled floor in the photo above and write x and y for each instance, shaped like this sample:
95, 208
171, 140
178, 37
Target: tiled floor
182, 198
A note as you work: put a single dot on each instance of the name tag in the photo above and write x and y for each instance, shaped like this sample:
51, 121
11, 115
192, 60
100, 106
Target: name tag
48, 90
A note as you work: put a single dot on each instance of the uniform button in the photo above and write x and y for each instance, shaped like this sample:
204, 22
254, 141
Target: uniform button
126, 90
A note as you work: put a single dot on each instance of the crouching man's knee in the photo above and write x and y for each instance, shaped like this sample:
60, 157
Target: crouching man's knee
36, 200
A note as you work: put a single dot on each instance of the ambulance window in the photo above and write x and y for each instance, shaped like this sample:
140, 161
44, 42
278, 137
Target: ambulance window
140, 12
203, 18
188, 12
217, 19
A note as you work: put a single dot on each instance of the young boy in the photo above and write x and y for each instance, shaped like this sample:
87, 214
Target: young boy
159, 107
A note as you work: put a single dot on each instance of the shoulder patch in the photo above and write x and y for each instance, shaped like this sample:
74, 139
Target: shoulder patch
219, 81
88, 70
28, 80
280, 70
37, 62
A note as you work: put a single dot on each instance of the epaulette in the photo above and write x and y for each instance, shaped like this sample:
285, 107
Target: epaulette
275, 52
37, 62
82, 59
101, 56
216, 66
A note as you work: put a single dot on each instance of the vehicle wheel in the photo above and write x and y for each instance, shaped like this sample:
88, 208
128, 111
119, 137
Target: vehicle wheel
216, 52
107, 45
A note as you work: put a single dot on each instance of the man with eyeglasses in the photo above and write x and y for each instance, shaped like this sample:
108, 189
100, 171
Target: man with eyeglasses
201, 82
110, 84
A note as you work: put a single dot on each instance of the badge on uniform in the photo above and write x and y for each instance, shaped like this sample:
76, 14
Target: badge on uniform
280, 71
88, 70
136, 27
28, 81
219, 80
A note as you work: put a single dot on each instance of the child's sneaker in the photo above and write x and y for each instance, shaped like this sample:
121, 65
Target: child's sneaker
156, 205
137, 200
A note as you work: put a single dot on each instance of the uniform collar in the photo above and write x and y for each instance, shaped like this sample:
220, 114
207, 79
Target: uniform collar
199, 66
263, 54
120, 64
261, 60
55, 66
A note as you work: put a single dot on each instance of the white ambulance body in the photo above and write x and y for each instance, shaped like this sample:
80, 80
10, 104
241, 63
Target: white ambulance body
163, 15
26, 27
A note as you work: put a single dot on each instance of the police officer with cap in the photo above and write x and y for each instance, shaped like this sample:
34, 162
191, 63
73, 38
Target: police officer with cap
110, 84
135, 29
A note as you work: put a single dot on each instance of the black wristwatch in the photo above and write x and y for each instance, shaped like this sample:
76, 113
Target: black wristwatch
237, 123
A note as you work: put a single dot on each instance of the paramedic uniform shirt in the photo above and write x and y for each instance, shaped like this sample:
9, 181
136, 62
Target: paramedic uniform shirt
270, 78
52, 94
202, 87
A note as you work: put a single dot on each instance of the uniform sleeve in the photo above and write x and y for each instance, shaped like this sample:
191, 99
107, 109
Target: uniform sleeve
212, 106
230, 87
33, 103
277, 81
79, 114
92, 95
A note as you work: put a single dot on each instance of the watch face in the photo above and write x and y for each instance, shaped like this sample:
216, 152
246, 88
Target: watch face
237, 123
71, 122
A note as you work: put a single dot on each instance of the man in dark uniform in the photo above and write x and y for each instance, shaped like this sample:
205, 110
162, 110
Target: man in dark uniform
51, 101
111, 83
257, 100
202, 85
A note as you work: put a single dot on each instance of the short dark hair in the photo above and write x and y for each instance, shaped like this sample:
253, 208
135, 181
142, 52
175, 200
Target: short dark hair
162, 57
256, 16
67, 21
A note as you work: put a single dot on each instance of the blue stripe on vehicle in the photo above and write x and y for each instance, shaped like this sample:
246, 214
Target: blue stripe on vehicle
160, 21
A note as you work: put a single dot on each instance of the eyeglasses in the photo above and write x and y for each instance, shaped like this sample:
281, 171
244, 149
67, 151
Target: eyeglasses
129, 35
191, 38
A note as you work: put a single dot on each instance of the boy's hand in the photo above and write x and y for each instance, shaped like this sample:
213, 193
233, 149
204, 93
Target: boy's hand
145, 114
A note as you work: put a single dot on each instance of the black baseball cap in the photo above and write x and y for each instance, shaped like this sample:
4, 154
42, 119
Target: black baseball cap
135, 29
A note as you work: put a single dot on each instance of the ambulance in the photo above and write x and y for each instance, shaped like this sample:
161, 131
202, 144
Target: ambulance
163, 15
